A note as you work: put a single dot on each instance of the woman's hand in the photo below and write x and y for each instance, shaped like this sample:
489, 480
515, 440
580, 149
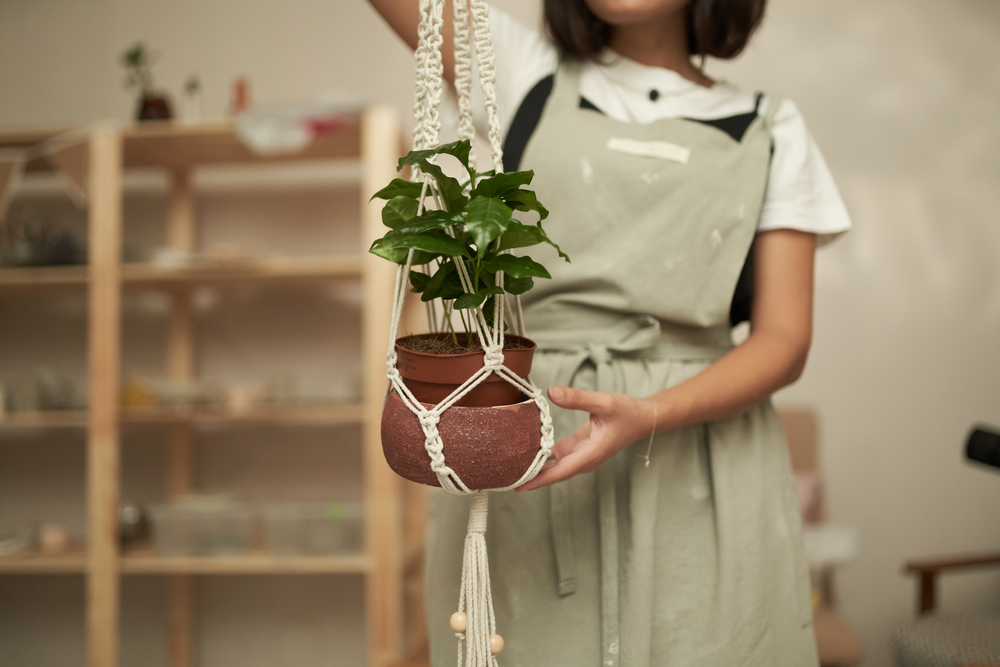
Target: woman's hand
616, 421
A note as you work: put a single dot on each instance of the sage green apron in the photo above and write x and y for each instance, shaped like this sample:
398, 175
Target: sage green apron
695, 560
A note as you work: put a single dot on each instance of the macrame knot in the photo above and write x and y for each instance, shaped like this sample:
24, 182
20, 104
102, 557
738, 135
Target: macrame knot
429, 420
493, 360
478, 505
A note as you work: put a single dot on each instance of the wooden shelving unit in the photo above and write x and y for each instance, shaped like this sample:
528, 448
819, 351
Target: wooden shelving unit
103, 153
320, 414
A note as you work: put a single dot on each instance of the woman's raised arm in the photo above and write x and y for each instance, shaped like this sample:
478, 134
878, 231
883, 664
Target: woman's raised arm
403, 16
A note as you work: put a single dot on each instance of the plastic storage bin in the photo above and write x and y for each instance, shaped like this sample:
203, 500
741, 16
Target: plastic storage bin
313, 529
201, 528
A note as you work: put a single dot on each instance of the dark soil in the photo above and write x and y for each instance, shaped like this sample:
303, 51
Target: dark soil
445, 345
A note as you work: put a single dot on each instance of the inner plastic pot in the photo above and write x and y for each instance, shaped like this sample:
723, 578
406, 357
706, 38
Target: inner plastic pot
488, 448
432, 377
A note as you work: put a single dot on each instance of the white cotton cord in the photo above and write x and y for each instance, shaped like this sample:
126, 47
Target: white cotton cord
476, 598
430, 71
463, 78
487, 76
520, 316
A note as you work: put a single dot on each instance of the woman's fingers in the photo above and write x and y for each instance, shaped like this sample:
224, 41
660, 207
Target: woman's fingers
594, 402
570, 465
613, 423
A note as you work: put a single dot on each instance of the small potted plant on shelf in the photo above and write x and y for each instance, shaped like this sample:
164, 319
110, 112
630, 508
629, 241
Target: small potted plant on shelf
152, 105
471, 228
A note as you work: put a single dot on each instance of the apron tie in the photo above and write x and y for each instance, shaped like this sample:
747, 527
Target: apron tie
629, 336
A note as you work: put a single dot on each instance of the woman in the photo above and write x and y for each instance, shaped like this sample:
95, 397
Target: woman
667, 530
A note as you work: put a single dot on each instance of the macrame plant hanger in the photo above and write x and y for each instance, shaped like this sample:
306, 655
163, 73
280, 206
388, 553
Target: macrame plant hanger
474, 623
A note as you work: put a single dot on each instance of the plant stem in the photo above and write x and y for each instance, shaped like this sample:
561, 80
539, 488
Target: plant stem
447, 317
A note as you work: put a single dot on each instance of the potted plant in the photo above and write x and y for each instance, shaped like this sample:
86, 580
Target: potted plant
471, 228
152, 105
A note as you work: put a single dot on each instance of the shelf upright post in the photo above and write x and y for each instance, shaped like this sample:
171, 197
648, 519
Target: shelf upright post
103, 355
380, 137
180, 363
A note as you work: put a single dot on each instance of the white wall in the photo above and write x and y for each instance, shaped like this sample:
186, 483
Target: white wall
901, 96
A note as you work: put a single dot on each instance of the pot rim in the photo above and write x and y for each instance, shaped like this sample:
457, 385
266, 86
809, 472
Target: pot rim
509, 406
431, 355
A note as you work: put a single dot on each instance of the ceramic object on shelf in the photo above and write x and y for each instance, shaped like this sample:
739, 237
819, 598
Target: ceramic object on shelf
154, 106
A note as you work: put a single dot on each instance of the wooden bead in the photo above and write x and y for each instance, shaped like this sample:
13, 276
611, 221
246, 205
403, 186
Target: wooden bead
496, 644
458, 622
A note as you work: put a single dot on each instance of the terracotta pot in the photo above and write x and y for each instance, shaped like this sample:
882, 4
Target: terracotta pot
488, 448
432, 377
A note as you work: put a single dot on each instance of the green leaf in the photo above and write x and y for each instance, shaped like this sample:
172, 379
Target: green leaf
473, 300
398, 211
451, 189
452, 288
501, 184
430, 221
444, 284
457, 149
519, 235
526, 200
518, 267
487, 219
432, 289
388, 247
398, 187
515, 286
419, 281
391, 253
467, 301
436, 244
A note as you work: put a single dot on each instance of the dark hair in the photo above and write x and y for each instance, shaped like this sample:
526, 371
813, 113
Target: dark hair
717, 28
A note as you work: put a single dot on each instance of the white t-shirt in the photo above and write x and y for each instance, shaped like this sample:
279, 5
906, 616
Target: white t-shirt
800, 193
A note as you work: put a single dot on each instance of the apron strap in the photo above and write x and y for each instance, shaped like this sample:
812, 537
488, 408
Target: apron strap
566, 86
562, 538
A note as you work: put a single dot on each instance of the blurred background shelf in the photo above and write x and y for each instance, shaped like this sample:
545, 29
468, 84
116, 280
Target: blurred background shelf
144, 561
244, 271
42, 277
176, 164
317, 414
259, 562
72, 562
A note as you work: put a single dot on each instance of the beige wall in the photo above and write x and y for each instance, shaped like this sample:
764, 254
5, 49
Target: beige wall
902, 98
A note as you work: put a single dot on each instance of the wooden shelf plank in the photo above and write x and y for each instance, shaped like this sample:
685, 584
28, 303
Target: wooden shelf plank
72, 562
44, 419
262, 270
146, 562
347, 413
320, 414
258, 562
166, 144
288, 269
25, 137
43, 276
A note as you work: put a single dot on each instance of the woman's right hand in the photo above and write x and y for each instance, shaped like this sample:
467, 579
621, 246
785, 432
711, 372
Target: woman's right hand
403, 16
